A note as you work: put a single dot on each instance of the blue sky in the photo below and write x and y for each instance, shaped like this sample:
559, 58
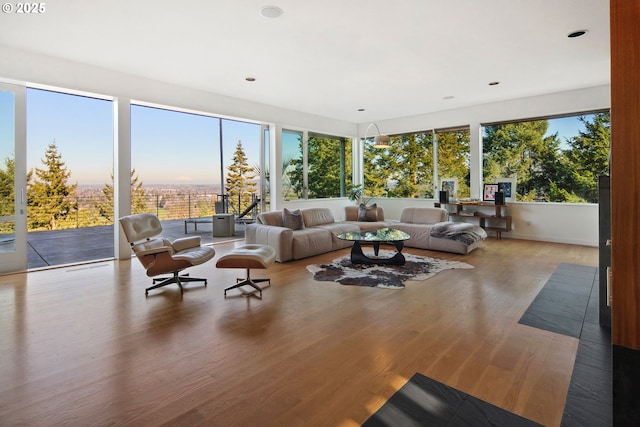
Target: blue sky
168, 147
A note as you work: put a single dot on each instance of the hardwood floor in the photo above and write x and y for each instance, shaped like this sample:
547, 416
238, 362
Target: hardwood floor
83, 346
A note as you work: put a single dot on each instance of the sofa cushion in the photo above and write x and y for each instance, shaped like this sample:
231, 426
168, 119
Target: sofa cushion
423, 215
368, 213
317, 216
292, 219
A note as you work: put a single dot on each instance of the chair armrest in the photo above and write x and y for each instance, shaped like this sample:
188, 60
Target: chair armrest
185, 243
152, 247
153, 251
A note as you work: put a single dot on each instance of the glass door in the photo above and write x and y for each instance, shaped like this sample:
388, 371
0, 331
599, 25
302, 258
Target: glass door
13, 185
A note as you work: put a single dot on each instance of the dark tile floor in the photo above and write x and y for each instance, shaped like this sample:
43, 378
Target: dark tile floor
568, 304
423, 401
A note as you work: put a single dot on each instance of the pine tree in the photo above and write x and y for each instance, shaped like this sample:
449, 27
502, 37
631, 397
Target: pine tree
138, 198
49, 196
328, 176
402, 170
521, 150
240, 180
7, 188
453, 159
588, 156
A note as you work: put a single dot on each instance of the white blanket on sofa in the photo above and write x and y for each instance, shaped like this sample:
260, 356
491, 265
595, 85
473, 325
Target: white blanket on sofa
461, 231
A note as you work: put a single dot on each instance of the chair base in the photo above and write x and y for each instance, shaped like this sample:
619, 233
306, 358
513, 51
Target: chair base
177, 279
248, 281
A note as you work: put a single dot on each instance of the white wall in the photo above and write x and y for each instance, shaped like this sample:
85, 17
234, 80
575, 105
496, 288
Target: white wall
548, 222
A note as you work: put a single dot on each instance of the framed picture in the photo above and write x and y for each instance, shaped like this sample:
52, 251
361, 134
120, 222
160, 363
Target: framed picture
450, 185
489, 193
508, 187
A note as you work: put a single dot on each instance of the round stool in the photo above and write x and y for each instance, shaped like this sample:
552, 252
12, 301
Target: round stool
248, 257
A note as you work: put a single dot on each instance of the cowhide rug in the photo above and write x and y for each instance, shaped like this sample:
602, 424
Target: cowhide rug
382, 276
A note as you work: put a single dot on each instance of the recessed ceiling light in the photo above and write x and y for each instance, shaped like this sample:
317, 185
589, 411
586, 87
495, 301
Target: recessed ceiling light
494, 83
250, 79
448, 97
577, 34
271, 11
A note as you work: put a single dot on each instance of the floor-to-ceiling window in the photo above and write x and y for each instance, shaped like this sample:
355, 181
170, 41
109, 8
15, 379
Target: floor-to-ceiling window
187, 165
241, 160
69, 163
175, 162
7, 172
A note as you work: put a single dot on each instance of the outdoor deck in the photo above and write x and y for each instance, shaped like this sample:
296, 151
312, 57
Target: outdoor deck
60, 247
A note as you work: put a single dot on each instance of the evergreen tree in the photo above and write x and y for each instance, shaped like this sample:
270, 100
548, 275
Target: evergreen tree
328, 176
521, 150
138, 198
405, 169
588, 156
49, 196
453, 159
7, 188
240, 180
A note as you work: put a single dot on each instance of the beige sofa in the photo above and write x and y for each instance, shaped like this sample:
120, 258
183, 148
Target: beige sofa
320, 229
317, 237
419, 222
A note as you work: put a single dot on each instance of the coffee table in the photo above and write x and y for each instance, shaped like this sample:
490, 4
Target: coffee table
383, 235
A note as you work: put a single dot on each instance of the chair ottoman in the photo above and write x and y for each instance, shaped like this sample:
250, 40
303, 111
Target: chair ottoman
248, 257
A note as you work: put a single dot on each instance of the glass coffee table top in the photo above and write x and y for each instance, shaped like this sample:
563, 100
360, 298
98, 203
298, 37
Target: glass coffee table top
381, 235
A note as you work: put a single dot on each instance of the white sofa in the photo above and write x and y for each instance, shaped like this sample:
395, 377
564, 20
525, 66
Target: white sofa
418, 223
320, 229
317, 237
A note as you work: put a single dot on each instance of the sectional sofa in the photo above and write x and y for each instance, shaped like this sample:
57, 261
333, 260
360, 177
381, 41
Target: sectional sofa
317, 233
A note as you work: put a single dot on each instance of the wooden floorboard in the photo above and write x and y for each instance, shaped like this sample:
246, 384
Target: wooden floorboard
83, 346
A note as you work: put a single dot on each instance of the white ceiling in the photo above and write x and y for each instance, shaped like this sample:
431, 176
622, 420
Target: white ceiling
332, 57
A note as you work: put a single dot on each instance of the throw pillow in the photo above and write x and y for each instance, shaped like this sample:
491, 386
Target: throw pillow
292, 219
368, 213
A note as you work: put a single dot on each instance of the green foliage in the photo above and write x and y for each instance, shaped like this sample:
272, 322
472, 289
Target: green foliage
588, 156
329, 169
240, 182
50, 199
405, 169
7, 188
7, 195
545, 172
453, 158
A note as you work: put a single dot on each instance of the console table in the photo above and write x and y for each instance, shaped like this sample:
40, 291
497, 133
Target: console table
495, 221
